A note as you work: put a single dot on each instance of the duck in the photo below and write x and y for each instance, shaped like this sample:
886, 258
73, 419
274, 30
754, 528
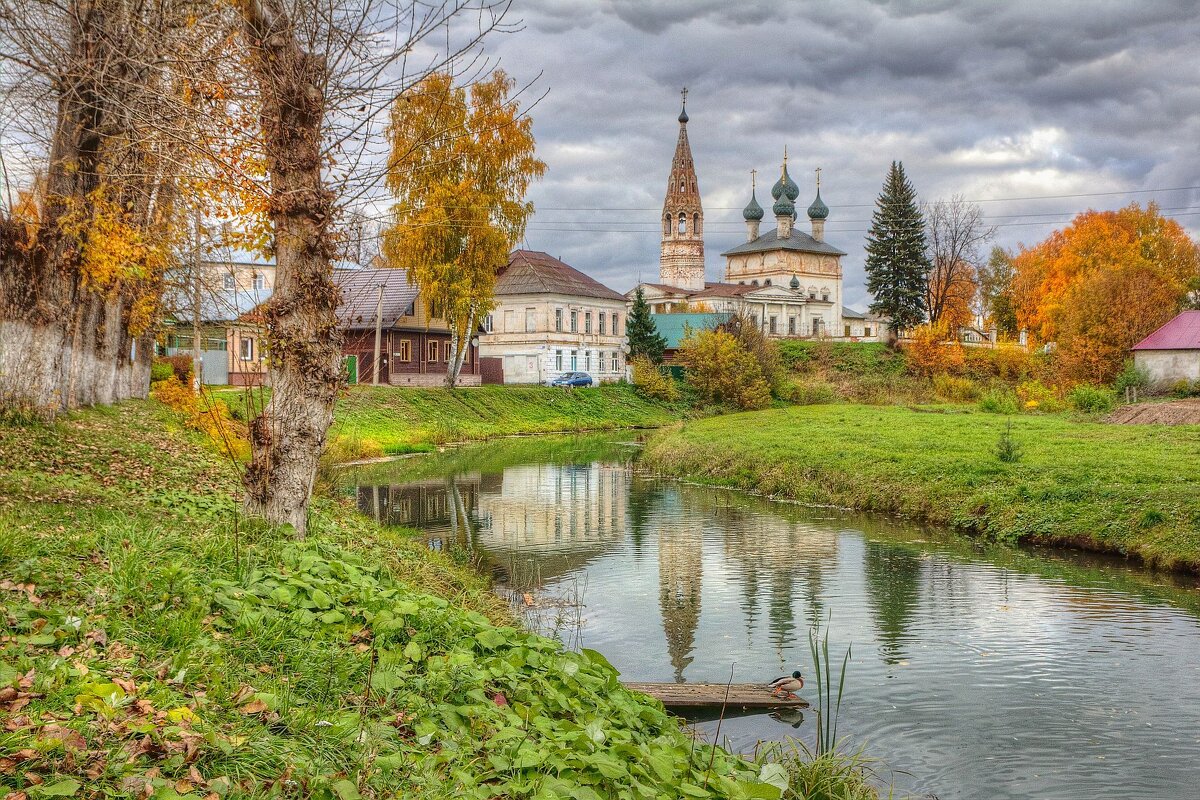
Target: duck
788, 684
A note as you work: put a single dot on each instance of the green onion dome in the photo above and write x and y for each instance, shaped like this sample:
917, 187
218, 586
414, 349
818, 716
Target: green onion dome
753, 210
795, 284
784, 206
785, 185
818, 209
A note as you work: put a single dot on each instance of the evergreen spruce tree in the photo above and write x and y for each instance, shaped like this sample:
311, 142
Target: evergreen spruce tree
644, 338
898, 263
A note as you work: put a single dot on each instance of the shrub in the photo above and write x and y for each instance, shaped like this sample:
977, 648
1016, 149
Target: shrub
722, 371
999, 401
209, 416
652, 381
1036, 396
1132, 377
811, 393
182, 364
954, 389
1184, 388
1092, 399
765, 351
1008, 449
928, 353
160, 370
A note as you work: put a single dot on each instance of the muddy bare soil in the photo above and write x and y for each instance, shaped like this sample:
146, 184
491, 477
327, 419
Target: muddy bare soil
1173, 412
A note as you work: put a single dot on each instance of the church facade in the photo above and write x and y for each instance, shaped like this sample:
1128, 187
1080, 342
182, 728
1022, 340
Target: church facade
786, 281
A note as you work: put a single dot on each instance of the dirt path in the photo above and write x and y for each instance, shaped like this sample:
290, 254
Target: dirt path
1174, 412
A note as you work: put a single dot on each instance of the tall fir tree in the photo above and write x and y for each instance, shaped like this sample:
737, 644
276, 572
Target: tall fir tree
644, 338
897, 256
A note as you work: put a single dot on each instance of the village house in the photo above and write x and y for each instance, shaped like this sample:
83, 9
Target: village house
549, 318
231, 332
1172, 353
415, 348
786, 281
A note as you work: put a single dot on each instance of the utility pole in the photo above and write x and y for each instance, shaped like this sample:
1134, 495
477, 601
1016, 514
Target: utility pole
378, 334
197, 362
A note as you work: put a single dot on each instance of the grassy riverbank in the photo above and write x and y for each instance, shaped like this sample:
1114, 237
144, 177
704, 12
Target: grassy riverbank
395, 420
151, 643
1122, 489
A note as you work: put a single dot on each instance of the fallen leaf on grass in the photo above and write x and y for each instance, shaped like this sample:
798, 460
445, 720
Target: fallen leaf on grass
253, 707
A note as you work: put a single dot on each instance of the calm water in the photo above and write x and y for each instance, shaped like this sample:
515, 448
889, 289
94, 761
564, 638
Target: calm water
976, 673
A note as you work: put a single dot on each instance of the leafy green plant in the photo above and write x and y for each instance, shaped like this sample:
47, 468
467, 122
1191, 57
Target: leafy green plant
652, 382
160, 371
999, 401
1132, 377
830, 706
1092, 399
1008, 449
955, 389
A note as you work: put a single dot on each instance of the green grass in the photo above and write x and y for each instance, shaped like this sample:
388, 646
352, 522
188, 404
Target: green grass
1121, 489
410, 420
152, 643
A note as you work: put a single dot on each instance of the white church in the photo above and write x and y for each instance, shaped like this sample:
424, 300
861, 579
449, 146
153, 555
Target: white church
786, 281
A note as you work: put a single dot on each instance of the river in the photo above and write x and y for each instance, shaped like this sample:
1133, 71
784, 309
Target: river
976, 671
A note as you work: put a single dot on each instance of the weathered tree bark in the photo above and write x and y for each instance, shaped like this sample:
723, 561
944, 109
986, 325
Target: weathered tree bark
64, 344
302, 336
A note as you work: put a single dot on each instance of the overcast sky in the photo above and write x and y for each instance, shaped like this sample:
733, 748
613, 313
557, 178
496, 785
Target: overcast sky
987, 100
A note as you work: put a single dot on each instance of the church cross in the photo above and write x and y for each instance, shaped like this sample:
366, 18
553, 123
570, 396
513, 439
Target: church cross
818, 171
753, 174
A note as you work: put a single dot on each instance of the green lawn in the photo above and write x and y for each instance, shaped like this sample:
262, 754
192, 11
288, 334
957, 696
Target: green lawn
153, 643
1126, 489
406, 420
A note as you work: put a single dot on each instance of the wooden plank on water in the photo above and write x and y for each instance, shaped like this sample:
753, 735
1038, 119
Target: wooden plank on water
703, 695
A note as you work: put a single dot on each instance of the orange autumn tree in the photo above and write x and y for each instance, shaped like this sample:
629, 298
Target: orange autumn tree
1100, 285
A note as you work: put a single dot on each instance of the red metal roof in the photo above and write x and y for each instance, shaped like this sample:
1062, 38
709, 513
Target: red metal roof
1181, 333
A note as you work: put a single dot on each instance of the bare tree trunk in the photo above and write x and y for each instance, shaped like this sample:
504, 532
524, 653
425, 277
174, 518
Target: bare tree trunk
302, 335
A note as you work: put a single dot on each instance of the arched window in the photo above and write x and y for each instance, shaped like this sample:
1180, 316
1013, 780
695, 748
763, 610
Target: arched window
812, 293
696, 224
754, 282
825, 293
667, 225
682, 222
767, 282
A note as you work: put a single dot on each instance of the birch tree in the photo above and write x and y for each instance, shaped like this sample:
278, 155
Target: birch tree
461, 163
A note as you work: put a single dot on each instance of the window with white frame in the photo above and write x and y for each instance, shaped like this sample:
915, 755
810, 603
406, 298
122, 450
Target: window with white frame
771, 324
558, 361
602, 318
229, 281
247, 349
587, 322
574, 322
558, 320
574, 360
616, 361
616, 320
488, 322
260, 281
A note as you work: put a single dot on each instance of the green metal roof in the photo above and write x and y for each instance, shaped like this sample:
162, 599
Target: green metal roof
674, 327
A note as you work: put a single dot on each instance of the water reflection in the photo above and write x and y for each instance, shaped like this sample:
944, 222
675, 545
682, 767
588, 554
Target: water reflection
981, 672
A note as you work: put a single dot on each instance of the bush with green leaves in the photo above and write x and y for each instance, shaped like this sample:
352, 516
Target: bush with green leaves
160, 371
1184, 388
1092, 399
955, 389
1132, 377
811, 393
999, 401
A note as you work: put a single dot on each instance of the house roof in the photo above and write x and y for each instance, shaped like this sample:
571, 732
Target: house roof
220, 306
1181, 333
799, 240
674, 327
535, 272
360, 295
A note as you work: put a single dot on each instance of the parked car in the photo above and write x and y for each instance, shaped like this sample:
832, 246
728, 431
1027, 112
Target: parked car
572, 379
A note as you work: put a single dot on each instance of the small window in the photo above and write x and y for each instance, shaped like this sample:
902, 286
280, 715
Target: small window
812, 293
767, 282
446, 351
574, 322
558, 360
696, 224
616, 319
825, 293
488, 322
230, 282
602, 328
616, 361
247, 349
558, 320
867, 330
431, 352
667, 225
847, 331
682, 223
530, 320
587, 360
771, 324
405, 353
587, 322
791, 326
754, 282
574, 360
260, 281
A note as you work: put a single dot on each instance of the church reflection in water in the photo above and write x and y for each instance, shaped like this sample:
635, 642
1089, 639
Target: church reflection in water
533, 524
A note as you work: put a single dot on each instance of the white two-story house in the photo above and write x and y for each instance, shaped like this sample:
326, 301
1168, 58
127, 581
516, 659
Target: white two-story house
550, 318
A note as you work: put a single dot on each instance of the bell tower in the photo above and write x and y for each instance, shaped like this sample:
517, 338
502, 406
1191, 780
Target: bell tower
681, 262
